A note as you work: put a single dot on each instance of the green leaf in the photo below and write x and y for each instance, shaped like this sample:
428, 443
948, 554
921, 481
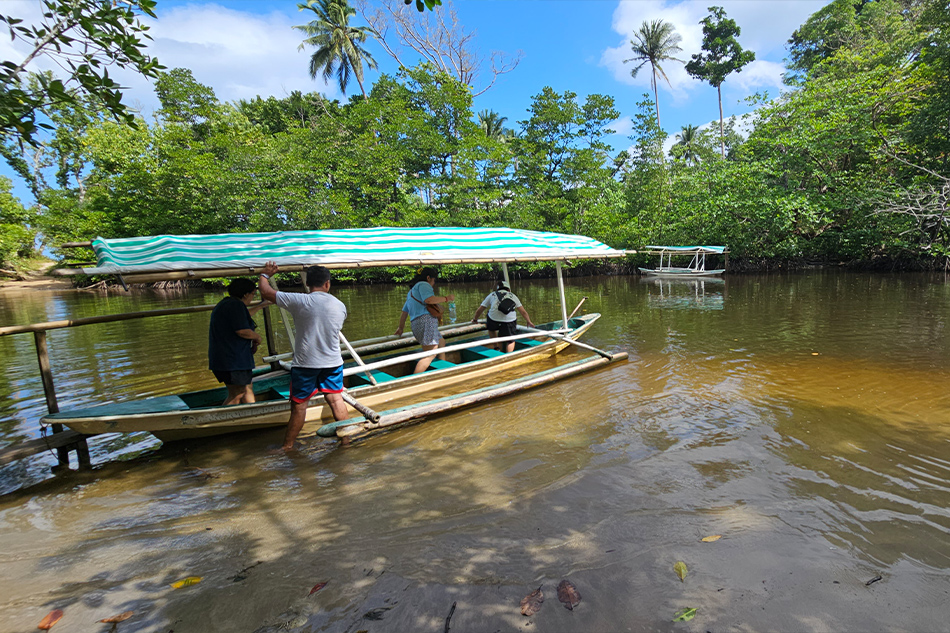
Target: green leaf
685, 615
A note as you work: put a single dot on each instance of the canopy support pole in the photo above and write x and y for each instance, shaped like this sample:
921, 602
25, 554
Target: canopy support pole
504, 272
560, 287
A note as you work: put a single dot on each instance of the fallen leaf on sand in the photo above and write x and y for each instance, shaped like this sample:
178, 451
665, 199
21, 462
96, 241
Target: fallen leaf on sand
122, 617
710, 539
531, 603
568, 594
51, 618
317, 587
680, 569
186, 582
685, 615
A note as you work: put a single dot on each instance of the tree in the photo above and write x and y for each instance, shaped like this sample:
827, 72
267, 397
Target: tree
723, 56
339, 45
85, 38
439, 39
654, 43
492, 124
15, 238
687, 143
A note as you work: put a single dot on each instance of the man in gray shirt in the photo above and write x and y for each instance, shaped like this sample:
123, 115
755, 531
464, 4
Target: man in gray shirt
318, 364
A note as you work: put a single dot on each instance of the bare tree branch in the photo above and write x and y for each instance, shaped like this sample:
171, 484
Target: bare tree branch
438, 38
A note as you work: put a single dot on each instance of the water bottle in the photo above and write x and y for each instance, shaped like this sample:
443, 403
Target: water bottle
452, 315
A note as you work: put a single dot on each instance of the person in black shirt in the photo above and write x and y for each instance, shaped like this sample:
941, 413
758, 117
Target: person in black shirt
232, 341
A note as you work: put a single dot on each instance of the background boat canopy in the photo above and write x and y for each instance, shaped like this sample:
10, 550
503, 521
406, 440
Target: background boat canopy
343, 248
687, 249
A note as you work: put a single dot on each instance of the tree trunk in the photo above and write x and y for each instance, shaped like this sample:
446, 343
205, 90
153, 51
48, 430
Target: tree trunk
722, 141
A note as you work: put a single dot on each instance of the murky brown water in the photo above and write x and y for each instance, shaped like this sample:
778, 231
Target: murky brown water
805, 418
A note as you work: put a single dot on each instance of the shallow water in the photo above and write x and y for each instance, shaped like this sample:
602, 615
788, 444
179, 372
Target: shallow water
802, 417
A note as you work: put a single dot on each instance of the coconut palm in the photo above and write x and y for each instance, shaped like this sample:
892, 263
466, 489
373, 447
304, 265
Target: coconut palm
654, 43
492, 124
339, 45
689, 139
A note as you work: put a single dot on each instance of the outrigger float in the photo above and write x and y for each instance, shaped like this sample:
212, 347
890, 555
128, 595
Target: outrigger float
695, 268
378, 372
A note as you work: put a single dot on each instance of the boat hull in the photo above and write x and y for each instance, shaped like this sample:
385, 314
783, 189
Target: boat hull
681, 273
169, 418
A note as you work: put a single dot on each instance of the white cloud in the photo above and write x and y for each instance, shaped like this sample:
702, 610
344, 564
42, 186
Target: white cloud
239, 54
766, 26
758, 74
622, 126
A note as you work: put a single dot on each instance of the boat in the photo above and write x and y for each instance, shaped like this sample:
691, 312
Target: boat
695, 268
377, 372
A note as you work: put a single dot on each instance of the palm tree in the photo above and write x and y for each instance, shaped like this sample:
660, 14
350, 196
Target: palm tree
689, 139
492, 124
339, 45
655, 42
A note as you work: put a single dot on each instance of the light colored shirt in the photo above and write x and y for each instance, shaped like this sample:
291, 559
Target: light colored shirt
318, 319
421, 291
491, 302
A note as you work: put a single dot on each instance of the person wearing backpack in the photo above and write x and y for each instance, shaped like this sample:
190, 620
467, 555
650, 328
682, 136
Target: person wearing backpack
502, 319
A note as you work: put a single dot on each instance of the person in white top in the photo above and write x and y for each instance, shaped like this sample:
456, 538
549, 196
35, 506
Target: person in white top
503, 309
318, 364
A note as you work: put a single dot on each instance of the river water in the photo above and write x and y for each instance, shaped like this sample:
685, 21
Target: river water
804, 418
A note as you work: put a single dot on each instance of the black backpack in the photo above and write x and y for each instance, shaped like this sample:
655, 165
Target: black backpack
505, 303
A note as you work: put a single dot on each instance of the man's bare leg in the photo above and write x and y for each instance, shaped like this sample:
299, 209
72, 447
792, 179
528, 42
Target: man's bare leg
337, 406
249, 395
298, 415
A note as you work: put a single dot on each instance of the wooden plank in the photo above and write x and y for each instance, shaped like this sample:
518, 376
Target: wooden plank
32, 447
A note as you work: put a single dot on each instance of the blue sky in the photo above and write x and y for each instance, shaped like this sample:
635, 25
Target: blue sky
244, 48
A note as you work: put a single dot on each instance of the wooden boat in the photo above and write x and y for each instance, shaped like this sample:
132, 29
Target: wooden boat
379, 372
695, 268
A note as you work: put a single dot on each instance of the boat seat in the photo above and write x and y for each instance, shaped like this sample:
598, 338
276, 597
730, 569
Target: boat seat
479, 353
526, 343
357, 380
440, 364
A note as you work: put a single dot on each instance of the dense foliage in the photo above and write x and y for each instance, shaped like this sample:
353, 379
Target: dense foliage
847, 165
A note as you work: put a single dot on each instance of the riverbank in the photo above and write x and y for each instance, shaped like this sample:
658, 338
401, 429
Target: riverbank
36, 278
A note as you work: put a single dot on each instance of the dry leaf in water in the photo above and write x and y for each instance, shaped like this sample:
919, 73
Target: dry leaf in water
531, 603
685, 615
568, 594
710, 539
317, 587
186, 582
122, 617
51, 618
680, 569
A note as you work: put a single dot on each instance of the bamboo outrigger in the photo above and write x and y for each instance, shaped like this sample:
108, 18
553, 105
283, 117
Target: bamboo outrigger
379, 371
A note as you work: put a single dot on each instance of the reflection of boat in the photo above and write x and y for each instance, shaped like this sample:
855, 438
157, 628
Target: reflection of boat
696, 266
686, 294
379, 372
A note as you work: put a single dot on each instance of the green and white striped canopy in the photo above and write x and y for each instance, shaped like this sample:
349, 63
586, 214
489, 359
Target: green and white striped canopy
344, 248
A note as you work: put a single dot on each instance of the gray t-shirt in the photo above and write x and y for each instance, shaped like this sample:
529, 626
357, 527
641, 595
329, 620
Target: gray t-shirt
318, 319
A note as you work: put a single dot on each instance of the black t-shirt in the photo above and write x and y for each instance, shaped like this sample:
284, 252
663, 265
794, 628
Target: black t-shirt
226, 350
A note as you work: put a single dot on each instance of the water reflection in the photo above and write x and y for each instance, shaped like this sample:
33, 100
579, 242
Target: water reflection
686, 294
